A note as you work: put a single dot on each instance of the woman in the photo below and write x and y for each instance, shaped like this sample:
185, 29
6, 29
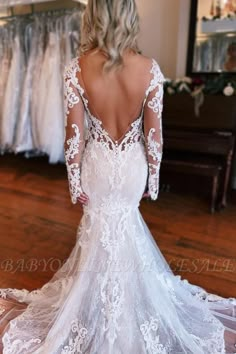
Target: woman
116, 293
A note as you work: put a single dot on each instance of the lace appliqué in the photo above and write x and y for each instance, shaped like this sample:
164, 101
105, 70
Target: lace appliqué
73, 168
79, 333
16, 345
70, 82
72, 98
20, 294
155, 152
149, 331
217, 340
112, 297
154, 145
156, 103
111, 290
158, 77
73, 144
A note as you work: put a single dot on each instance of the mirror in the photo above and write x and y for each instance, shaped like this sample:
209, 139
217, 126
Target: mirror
212, 38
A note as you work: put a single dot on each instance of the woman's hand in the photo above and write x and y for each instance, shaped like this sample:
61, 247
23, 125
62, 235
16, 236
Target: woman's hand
83, 199
146, 195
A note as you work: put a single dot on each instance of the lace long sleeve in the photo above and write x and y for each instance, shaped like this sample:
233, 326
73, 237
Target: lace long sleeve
74, 130
153, 129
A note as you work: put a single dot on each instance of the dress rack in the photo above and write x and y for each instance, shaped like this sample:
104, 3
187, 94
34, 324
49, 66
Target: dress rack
32, 10
35, 47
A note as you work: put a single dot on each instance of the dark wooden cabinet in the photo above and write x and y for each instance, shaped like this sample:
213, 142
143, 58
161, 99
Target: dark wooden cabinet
218, 112
201, 145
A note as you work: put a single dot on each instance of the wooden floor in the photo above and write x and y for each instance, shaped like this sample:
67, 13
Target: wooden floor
38, 227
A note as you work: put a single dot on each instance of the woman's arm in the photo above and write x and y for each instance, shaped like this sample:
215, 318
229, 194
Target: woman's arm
153, 129
74, 133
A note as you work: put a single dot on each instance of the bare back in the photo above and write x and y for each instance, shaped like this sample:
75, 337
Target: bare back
123, 120
115, 98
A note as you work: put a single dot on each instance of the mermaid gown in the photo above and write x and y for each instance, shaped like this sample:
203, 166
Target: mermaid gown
115, 294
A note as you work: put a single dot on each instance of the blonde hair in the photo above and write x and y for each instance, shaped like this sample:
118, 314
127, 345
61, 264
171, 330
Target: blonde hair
111, 26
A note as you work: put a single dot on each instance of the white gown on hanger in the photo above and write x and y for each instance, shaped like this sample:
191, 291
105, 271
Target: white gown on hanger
50, 105
37, 100
116, 294
23, 139
4, 69
11, 105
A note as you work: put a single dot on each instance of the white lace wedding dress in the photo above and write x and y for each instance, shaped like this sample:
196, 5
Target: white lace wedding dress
116, 294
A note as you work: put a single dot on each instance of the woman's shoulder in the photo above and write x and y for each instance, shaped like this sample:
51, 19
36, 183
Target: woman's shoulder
150, 64
72, 67
153, 68
143, 64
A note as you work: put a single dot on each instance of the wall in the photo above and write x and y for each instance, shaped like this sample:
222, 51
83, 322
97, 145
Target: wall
164, 33
164, 30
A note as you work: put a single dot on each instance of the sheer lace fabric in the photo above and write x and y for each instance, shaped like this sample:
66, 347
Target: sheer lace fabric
116, 294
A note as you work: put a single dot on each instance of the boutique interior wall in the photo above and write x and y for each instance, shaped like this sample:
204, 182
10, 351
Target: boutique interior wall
164, 33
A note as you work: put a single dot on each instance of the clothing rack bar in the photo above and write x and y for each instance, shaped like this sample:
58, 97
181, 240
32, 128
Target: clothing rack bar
24, 3
33, 12
34, 9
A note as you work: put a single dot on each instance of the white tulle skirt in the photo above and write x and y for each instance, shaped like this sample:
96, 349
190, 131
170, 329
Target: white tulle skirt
116, 294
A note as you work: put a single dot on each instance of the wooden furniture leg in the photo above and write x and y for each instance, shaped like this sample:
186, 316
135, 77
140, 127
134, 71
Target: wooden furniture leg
215, 185
226, 179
